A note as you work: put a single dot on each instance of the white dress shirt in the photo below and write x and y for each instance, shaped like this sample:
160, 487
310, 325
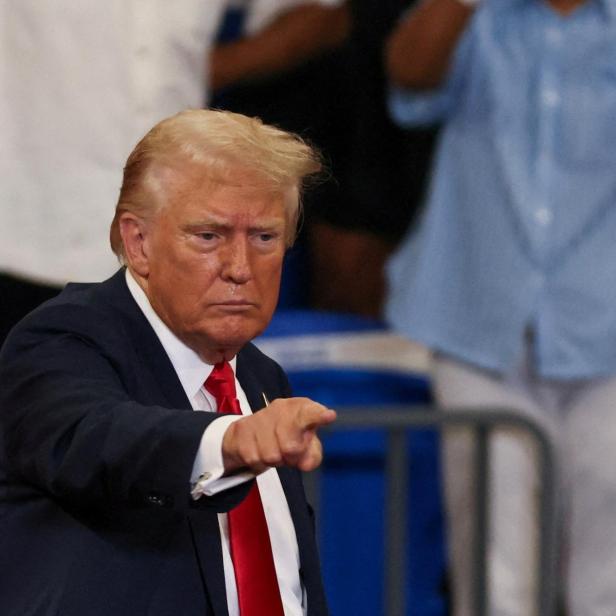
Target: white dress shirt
207, 473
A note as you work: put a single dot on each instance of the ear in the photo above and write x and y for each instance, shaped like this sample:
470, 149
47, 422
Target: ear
134, 232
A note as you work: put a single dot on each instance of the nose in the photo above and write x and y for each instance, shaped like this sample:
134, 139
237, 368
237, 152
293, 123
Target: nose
236, 262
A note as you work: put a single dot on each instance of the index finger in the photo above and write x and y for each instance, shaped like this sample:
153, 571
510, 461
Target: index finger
313, 416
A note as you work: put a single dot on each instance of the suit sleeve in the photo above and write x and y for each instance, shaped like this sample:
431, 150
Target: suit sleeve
71, 429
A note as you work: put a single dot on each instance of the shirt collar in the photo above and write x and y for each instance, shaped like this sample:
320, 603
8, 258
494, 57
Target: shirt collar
190, 368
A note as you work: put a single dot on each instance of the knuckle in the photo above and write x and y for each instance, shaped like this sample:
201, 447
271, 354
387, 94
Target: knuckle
272, 458
241, 428
292, 447
253, 461
247, 453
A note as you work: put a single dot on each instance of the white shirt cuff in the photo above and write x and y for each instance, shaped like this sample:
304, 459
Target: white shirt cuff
207, 472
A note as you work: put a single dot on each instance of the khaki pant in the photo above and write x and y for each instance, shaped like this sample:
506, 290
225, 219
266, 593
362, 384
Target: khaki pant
580, 417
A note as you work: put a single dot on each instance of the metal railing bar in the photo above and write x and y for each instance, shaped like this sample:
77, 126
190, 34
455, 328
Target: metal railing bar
480, 530
396, 418
396, 520
548, 532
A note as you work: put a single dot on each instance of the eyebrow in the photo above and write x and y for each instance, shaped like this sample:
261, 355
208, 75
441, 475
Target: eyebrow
273, 223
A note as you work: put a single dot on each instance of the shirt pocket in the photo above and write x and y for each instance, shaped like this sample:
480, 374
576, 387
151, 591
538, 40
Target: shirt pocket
586, 133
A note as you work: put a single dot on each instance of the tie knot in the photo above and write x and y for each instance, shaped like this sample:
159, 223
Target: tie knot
221, 384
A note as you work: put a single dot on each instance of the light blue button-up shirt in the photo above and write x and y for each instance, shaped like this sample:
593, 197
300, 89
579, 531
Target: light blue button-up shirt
520, 226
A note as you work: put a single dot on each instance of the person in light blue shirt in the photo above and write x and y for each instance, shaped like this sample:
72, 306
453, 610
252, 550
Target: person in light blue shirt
510, 276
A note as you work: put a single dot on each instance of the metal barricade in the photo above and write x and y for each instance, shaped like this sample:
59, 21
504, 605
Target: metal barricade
396, 420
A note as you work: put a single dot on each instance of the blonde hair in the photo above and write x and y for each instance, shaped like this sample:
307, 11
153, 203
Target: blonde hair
219, 142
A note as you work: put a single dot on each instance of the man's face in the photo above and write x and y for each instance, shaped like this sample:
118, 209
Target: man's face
214, 258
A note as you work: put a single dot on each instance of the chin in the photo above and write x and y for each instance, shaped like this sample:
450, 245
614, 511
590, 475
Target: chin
229, 335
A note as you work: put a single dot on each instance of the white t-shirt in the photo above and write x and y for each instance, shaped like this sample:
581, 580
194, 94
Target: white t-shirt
260, 13
81, 81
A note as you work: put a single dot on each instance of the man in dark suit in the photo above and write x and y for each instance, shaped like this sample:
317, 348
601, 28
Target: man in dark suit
117, 496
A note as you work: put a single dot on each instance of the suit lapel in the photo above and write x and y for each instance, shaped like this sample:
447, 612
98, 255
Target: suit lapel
153, 356
250, 384
203, 523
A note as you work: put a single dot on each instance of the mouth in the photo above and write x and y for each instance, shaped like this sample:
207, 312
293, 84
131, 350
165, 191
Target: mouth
234, 305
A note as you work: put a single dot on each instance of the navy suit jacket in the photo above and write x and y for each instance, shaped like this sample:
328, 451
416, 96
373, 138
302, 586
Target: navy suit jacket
97, 443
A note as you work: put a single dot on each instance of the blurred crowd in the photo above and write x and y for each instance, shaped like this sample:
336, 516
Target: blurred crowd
82, 83
498, 254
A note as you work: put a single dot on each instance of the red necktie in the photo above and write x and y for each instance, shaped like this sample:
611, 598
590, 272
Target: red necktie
251, 550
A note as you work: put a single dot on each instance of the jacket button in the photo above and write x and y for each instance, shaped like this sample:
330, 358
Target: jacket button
157, 499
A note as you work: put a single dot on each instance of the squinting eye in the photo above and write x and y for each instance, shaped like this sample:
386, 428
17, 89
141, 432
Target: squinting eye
208, 237
266, 237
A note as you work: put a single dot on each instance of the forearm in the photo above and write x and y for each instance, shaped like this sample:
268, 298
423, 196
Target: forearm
71, 430
419, 50
291, 39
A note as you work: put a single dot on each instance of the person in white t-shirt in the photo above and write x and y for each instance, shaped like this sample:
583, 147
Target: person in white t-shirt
79, 82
